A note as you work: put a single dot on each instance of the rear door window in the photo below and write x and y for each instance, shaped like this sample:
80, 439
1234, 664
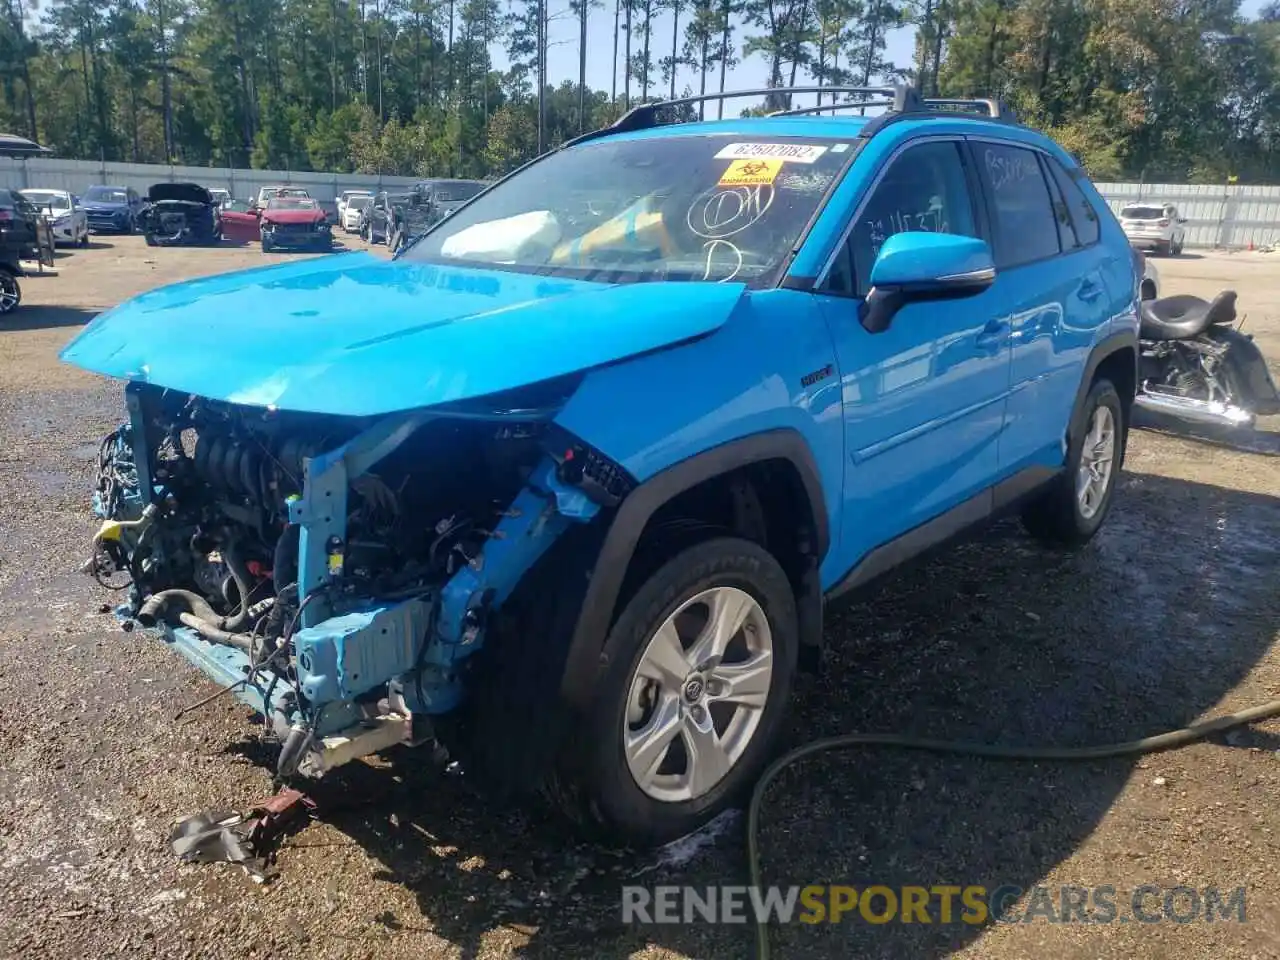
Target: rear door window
1026, 227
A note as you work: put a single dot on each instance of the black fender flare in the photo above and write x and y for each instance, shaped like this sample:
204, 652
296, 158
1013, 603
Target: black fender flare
1106, 347
586, 656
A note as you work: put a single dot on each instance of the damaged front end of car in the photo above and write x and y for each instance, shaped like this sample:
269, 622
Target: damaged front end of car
336, 571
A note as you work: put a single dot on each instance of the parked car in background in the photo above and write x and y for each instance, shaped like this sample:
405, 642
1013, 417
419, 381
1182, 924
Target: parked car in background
67, 217
344, 198
220, 196
352, 210
112, 209
295, 223
240, 222
446, 196
380, 218
280, 190
180, 213
1154, 226
19, 240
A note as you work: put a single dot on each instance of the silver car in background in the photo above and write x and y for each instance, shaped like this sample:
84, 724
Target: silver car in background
67, 218
1154, 226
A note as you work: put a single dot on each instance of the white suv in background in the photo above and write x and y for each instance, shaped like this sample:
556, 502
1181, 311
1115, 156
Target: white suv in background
1154, 226
345, 197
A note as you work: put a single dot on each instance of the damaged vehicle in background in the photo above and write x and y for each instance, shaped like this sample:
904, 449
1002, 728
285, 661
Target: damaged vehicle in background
180, 214
295, 223
443, 498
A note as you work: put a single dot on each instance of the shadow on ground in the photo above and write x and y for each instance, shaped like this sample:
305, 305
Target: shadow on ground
1239, 439
1000, 640
38, 316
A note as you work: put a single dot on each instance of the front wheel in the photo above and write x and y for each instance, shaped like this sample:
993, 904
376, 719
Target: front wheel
10, 293
1071, 510
700, 668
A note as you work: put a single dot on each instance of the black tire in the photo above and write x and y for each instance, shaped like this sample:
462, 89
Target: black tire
9, 285
592, 781
267, 246
1055, 516
150, 238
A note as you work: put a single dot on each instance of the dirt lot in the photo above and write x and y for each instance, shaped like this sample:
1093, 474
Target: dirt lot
1171, 615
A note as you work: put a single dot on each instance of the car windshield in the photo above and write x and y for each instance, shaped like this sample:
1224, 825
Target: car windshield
236, 206
41, 198
291, 203
455, 192
683, 207
359, 203
1142, 213
106, 195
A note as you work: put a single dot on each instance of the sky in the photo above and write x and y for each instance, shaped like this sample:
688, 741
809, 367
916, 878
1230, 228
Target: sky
562, 57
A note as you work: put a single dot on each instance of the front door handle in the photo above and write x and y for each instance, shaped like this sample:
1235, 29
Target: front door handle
993, 336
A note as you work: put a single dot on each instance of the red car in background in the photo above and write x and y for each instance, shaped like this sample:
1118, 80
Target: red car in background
240, 222
295, 223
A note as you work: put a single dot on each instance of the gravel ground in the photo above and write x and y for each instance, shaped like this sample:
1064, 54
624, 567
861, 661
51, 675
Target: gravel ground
1171, 615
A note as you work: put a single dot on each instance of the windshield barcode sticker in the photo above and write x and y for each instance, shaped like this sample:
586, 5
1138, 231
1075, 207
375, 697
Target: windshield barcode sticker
788, 152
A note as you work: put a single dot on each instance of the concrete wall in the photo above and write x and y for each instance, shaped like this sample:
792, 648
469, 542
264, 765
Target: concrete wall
1220, 216
77, 175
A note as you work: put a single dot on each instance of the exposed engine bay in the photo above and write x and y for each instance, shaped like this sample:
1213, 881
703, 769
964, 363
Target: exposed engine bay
335, 571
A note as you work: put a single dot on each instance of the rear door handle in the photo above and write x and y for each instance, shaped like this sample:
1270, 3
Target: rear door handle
1089, 290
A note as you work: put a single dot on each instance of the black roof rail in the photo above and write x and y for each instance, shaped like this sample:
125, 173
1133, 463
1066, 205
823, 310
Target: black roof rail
900, 101
645, 115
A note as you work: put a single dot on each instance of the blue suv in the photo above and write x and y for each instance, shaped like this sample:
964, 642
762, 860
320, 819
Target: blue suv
565, 487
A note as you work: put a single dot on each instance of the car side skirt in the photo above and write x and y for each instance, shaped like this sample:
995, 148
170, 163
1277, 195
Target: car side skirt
949, 526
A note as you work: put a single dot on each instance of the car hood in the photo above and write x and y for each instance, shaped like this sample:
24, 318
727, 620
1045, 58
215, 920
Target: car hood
185, 192
105, 206
356, 335
292, 216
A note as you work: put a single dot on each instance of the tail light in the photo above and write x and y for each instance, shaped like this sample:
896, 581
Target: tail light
6, 216
1163, 223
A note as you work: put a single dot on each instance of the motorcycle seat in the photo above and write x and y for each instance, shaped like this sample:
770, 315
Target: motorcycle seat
1184, 316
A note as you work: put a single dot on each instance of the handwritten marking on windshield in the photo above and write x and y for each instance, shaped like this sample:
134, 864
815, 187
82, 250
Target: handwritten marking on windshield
711, 246
718, 214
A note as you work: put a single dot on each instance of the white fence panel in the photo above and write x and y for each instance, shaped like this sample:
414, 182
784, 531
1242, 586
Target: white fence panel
77, 175
1228, 216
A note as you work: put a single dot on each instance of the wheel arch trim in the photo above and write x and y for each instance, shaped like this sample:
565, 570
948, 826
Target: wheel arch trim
633, 515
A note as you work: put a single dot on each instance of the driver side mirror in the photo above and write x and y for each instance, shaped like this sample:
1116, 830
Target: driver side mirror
914, 267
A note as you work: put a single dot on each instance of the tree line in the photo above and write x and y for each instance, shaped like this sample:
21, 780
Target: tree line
1158, 89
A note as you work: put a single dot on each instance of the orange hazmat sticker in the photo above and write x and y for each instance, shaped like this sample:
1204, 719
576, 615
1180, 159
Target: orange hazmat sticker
751, 173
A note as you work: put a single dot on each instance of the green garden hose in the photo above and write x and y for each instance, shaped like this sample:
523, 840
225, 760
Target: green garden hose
1164, 741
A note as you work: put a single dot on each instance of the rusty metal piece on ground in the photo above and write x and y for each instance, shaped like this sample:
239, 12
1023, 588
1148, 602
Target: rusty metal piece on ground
246, 837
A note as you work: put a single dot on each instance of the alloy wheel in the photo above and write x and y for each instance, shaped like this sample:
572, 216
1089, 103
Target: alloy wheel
1093, 476
697, 694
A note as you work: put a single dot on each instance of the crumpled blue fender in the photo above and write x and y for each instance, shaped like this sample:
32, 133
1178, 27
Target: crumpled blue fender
352, 334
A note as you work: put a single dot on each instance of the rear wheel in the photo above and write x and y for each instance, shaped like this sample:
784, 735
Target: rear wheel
10, 292
1073, 507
